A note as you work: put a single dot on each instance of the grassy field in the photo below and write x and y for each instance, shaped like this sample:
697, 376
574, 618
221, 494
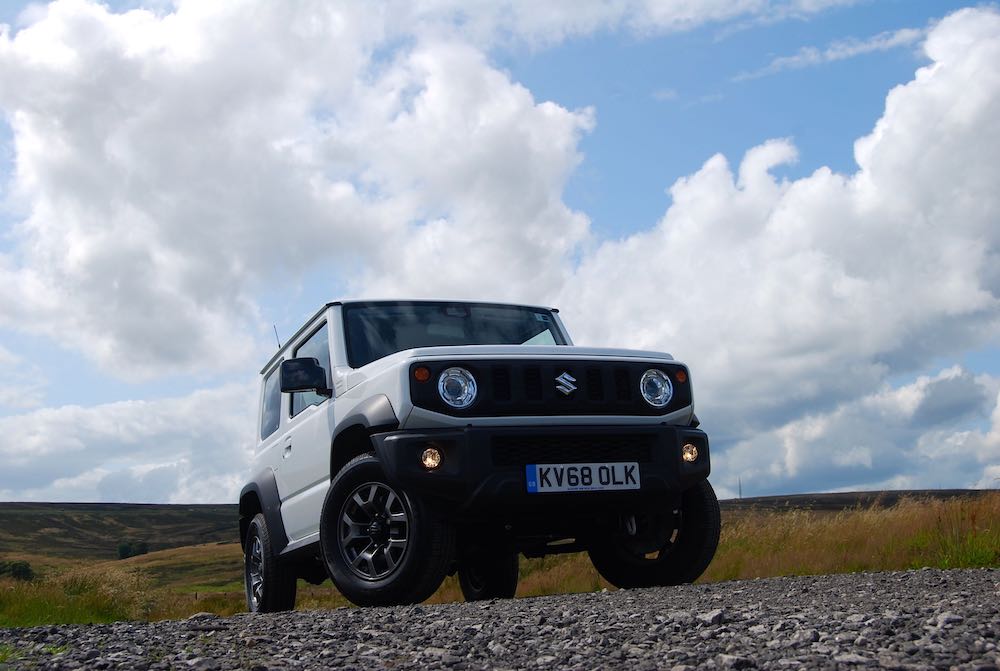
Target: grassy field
756, 542
94, 530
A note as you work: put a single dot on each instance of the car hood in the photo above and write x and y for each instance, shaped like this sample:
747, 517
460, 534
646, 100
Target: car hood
546, 351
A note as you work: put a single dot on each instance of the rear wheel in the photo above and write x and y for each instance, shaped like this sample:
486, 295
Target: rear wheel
662, 547
492, 576
268, 583
380, 545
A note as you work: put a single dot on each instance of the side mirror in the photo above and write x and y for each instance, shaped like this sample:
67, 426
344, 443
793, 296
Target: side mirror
303, 375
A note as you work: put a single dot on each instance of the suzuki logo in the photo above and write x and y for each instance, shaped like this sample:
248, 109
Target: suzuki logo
564, 383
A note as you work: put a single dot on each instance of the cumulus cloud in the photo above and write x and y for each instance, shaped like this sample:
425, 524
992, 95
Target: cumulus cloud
786, 294
490, 200
908, 437
171, 165
797, 297
174, 163
158, 158
173, 450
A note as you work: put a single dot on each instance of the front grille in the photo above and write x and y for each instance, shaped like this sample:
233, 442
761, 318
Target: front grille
521, 450
595, 384
501, 383
533, 383
623, 392
520, 387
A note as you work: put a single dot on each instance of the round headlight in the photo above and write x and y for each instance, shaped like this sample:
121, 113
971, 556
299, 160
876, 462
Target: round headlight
457, 387
656, 388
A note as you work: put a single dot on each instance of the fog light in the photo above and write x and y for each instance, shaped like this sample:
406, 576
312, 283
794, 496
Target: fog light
689, 453
431, 458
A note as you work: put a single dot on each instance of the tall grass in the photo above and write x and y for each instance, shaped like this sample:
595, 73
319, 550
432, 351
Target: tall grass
956, 533
78, 596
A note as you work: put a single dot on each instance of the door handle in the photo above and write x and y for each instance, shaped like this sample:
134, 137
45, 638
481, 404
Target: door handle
287, 453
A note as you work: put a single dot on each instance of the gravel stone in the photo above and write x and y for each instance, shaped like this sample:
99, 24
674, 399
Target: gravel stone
712, 617
909, 620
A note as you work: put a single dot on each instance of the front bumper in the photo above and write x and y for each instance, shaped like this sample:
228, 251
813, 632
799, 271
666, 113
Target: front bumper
483, 467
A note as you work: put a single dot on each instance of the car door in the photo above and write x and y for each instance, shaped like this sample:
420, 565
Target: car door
271, 429
304, 472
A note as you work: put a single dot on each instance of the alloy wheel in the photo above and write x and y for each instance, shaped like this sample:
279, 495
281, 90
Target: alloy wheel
255, 571
374, 530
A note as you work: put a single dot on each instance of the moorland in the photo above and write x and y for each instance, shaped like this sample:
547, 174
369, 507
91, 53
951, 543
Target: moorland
108, 562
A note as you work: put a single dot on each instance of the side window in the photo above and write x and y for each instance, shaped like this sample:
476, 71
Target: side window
270, 415
317, 347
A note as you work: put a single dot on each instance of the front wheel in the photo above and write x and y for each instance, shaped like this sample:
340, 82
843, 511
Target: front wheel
492, 576
269, 584
662, 547
381, 546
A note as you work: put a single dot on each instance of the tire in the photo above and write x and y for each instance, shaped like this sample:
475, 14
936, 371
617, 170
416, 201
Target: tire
667, 548
487, 577
382, 546
269, 584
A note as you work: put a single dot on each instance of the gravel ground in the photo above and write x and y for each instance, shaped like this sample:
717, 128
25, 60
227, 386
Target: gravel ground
925, 619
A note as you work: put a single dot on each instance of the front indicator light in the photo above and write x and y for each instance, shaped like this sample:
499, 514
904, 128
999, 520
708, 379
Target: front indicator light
431, 458
422, 374
689, 453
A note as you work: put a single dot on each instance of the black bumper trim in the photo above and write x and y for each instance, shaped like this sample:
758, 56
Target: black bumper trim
470, 479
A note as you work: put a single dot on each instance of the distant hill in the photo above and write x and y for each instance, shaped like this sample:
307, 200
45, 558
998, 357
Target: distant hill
94, 530
843, 500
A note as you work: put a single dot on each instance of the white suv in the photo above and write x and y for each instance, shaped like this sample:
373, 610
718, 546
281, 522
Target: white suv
401, 441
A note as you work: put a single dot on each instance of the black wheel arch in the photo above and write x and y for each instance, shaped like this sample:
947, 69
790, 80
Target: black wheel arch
353, 435
261, 496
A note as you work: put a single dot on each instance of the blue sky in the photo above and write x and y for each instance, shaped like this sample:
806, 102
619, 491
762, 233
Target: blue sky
642, 143
174, 201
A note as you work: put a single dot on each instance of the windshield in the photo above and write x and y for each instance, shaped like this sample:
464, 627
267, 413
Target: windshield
375, 330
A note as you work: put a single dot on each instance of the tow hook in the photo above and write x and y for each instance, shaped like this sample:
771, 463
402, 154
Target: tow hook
631, 528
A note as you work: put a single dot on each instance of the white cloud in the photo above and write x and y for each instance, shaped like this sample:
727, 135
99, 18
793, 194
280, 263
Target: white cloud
990, 479
545, 23
664, 95
8, 358
159, 158
193, 448
491, 197
707, 99
174, 164
840, 50
22, 385
894, 437
785, 294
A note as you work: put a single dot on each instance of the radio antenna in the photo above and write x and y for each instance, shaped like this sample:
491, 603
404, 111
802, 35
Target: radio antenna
276, 338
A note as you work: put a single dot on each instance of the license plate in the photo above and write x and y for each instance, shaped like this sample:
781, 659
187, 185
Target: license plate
581, 477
